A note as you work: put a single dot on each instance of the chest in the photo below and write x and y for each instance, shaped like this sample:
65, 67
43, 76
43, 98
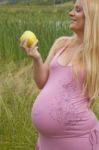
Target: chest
69, 57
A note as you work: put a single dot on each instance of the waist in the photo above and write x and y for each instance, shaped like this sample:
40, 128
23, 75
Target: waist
62, 142
91, 134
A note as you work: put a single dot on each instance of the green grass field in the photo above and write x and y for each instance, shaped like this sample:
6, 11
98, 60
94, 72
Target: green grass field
17, 88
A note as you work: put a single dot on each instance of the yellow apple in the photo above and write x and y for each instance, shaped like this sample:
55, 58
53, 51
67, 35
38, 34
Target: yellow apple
30, 36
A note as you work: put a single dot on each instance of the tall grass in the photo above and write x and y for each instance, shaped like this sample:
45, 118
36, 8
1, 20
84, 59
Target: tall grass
17, 92
47, 24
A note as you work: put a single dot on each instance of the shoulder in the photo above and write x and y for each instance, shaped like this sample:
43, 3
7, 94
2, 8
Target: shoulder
62, 39
57, 45
61, 42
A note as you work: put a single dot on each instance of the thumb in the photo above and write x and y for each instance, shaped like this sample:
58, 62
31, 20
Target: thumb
23, 44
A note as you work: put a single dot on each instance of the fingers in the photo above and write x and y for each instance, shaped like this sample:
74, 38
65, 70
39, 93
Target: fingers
34, 45
23, 44
31, 51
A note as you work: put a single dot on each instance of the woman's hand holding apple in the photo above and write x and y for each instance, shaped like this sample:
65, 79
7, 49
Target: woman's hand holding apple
28, 42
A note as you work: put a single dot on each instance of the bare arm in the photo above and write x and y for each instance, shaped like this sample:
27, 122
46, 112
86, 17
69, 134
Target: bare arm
40, 68
40, 72
58, 44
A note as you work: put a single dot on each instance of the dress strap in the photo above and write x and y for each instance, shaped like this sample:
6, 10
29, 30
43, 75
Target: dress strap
64, 47
59, 52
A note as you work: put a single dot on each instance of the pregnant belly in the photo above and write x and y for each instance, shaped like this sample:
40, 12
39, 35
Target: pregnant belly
52, 118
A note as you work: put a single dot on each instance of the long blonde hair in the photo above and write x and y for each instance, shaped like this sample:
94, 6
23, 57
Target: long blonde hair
90, 49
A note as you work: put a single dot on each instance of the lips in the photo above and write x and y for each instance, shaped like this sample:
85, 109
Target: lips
72, 20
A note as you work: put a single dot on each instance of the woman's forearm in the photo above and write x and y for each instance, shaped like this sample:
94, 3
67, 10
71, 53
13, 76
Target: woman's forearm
40, 72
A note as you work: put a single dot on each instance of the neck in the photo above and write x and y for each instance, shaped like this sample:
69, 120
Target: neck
79, 38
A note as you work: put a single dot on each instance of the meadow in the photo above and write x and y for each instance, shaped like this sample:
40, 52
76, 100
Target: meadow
17, 88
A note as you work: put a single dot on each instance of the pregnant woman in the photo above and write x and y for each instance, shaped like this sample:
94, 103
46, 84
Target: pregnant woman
69, 82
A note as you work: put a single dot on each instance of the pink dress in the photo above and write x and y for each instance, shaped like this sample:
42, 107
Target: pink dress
61, 114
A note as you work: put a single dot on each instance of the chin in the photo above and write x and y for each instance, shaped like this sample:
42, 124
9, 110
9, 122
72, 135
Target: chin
73, 28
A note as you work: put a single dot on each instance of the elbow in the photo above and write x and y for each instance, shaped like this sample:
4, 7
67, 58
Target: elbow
41, 85
41, 81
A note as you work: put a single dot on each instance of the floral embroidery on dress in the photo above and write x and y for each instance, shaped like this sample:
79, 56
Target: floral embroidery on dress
62, 108
64, 114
